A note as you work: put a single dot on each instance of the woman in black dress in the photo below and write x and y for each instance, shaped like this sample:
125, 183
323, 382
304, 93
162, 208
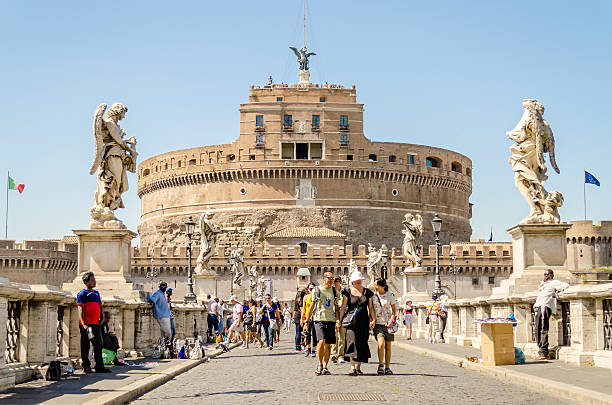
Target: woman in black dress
357, 298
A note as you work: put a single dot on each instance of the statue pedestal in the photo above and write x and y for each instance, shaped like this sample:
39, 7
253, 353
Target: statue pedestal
240, 293
205, 283
304, 77
415, 285
535, 248
106, 252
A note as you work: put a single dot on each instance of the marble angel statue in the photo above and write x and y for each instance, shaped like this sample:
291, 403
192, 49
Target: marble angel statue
253, 281
374, 260
413, 230
534, 139
114, 156
237, 260
208, 241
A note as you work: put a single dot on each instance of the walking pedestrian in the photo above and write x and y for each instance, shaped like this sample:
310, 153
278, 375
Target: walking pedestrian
324, 312
279, 320
271, 315
307, 328
172, 328
408, 319
219, 316
251, 327
357, 315
431, 318
384, 308
236, 329
442, 316
161, 311
297, 318
287, 318
545, 305
337, 349
89, 307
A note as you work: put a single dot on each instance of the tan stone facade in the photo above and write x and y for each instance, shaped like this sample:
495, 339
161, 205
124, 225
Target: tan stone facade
302, 159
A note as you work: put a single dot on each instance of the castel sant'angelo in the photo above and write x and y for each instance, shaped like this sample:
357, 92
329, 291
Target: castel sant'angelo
302, 159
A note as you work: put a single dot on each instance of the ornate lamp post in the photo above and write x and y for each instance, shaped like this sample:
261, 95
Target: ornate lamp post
436, 223
453, 257
152, 274
190, 297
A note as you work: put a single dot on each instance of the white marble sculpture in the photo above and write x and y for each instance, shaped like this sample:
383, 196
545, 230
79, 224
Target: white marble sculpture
352, 267
374, 261
534, 138
113, 158
237, 260
413, 230
208, 241
253, 276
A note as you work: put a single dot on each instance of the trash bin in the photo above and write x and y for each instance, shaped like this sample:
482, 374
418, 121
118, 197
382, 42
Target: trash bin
497, 343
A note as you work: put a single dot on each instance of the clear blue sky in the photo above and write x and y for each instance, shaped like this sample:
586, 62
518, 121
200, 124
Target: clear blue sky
450, 74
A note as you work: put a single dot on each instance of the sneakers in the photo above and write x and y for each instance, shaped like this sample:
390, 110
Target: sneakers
313, 354
88, 370
244, 346
341, 360
307, 353
269, 347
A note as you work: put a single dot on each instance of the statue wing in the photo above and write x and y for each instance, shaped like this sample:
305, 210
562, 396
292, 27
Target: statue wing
98, 132
297, 53
309, 54
551, 150
204, 237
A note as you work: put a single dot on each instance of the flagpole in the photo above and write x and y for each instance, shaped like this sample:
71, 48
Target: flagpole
584, 193
8, 176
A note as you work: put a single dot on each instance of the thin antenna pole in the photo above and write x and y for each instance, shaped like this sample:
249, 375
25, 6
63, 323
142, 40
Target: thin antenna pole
8, 176
304, 23
584, 193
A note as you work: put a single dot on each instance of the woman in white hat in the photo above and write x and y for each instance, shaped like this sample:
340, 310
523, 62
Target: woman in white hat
357, 316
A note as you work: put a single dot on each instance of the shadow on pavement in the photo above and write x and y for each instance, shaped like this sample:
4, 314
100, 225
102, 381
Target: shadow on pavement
208, 394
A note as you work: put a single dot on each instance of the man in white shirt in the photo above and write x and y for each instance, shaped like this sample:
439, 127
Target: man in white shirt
545, 305
236, 321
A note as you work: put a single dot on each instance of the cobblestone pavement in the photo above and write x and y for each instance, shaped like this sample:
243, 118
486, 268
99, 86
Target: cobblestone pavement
283, 376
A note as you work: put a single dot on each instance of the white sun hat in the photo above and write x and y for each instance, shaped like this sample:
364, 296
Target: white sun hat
233, 298
356, 276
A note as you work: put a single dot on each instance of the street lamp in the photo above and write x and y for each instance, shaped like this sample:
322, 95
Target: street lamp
453, 257
436, 223
190, 297
153, 273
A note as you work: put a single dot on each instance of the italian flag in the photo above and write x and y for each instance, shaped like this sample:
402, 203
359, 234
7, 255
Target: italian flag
12, 185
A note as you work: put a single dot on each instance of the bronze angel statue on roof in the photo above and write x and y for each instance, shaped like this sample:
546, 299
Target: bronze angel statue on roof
534, 139
302, 57
113, 158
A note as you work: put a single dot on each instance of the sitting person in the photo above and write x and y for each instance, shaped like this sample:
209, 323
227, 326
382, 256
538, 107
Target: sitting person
109, 339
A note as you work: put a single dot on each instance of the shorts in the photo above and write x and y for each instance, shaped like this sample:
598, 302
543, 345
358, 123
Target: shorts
236, 327
381, 330
325, 330
252, 328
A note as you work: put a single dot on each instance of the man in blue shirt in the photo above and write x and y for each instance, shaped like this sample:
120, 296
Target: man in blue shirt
161, 310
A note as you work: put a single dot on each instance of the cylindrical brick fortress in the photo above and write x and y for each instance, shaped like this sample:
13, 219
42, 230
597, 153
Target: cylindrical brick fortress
302, 160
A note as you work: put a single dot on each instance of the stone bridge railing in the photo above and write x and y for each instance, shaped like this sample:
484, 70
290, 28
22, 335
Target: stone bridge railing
580, 332
39, 323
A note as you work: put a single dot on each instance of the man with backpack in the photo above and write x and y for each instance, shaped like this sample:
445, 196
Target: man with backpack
325, 313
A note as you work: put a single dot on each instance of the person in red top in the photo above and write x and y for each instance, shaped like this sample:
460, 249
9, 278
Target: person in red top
89, 306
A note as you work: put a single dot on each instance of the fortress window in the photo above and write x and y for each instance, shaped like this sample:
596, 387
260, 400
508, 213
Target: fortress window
492, 280
301, 151
146, 172
231, 156
343, 140
321, 99
372, 157
251, 157
192, 162
303, 248
259, 139
433, 162
506, 253
394, 192
259, 120
287, 151
392, 159
316, 150
344, 122
456, 167
411, 159
468, 172
279, 99
316, 121
287, 121
349, 157
475, 282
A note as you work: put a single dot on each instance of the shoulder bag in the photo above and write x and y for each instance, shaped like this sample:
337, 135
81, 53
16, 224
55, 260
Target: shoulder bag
394, 325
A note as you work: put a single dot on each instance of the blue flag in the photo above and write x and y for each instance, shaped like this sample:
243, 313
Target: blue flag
491, 236
590, 179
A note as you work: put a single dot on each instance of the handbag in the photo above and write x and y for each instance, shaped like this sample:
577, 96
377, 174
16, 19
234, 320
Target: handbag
350, 318
442, 314
274, 324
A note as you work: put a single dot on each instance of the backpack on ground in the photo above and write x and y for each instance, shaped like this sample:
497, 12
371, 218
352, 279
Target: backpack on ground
54, 371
